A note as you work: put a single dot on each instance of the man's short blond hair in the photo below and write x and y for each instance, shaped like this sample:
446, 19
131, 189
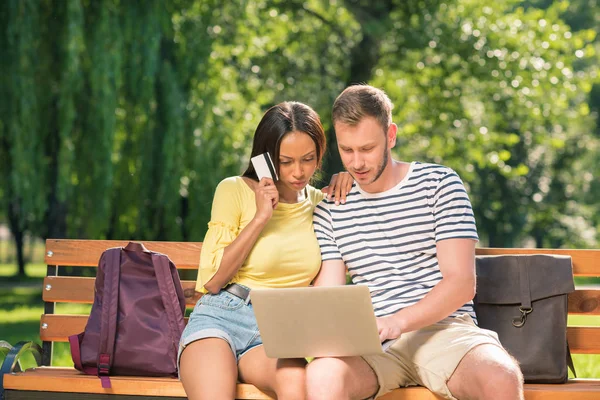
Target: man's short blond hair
359, 101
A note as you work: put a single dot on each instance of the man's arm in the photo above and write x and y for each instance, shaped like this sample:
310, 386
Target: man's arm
332, 273
456, 259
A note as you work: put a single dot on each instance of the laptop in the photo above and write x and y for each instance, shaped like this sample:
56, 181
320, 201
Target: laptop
328, 321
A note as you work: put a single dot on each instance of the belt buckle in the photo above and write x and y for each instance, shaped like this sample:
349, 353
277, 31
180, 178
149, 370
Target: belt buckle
239, 291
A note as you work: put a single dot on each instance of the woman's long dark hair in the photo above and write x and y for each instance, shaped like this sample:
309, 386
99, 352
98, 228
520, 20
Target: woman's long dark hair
278, 121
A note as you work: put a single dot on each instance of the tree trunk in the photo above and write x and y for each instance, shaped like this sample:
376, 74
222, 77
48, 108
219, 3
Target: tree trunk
18, 234
56, 213
363, 59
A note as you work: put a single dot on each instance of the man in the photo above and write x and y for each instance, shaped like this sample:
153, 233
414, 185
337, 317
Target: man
406, 231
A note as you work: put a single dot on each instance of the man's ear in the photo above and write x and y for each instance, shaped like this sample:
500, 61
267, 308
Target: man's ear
391, 135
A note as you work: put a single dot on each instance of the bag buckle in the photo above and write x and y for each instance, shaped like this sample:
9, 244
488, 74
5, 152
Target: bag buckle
103, 369
520, 321
104, 364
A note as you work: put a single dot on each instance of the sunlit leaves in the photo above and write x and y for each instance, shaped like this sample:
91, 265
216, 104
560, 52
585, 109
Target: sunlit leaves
504, 94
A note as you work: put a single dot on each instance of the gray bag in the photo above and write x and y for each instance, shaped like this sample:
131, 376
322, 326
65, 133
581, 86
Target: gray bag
524, 299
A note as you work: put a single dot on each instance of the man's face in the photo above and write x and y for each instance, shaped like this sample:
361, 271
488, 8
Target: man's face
364, 149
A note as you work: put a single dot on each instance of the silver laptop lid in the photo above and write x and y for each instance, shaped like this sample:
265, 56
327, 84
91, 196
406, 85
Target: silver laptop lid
333, 321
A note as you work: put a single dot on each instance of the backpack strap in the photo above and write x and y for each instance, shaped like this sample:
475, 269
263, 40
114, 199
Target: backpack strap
110, 310
169, 296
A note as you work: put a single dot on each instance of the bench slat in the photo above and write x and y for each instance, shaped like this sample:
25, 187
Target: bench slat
186, 255
60, 326
585, 302
574, 389
585, 262
86, 253
60, 379
584, 340
69, 289
57, 379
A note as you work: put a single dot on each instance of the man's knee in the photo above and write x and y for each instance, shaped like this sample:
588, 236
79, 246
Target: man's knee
325, 379
504, 377
500, 367
487, 372
505, 374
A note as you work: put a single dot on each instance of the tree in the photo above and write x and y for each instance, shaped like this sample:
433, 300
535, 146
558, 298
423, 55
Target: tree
506, 107
20, 144
118, 120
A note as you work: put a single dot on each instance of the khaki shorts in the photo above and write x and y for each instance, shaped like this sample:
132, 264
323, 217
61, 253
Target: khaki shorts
429, 356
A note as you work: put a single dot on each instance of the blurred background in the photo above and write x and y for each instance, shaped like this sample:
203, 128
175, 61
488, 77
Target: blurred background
118, 118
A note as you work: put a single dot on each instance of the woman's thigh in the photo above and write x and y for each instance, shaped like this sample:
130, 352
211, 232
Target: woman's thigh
208, 370
284, 377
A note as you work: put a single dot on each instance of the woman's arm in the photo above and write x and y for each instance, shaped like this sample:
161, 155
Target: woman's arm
339, 186
236, 253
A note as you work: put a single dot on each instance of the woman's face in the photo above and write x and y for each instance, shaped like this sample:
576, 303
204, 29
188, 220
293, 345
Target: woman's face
297, 160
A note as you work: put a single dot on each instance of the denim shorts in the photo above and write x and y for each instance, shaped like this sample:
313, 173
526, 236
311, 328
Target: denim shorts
225, 316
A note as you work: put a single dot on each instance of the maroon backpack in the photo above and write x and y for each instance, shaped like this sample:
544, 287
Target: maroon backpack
136, 319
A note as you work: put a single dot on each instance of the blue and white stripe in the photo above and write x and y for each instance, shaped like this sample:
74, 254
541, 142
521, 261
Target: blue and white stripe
388, 240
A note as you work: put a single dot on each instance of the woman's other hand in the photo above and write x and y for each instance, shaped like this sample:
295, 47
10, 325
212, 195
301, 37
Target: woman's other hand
339, 186
267, 198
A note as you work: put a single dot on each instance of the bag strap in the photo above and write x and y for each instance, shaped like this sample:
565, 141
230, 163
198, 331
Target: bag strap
524, 282
75, 344
524, 292
110, 310
76, 351
169, 295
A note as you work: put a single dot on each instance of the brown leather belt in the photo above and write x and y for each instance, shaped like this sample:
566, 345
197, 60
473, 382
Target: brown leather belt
239, 291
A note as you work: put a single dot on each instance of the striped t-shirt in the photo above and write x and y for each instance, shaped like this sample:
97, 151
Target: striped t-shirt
388, 240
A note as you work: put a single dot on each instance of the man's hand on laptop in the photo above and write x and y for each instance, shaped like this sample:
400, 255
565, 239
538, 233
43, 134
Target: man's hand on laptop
388, 327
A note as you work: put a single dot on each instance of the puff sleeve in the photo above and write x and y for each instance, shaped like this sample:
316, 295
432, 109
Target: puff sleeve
223, 228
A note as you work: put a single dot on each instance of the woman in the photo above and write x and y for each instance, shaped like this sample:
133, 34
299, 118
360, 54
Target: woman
260, 236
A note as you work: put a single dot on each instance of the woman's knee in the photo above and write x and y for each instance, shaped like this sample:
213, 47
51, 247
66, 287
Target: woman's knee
208, 370
291, 384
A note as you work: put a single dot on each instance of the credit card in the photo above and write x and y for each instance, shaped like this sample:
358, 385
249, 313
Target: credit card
263, 165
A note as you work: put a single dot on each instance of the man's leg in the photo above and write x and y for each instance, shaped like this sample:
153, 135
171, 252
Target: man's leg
487, 372
340, 378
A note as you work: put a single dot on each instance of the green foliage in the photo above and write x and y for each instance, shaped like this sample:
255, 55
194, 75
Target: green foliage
21, 154
118, 119
506, 107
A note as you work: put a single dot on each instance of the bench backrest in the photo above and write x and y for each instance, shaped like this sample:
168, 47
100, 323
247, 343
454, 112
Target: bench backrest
186, 255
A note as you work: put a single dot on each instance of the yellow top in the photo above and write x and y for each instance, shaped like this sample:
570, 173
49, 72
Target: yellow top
286, 253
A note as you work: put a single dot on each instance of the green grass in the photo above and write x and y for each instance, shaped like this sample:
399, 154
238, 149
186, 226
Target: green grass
20, 311
21, 306
35, 272
586, 365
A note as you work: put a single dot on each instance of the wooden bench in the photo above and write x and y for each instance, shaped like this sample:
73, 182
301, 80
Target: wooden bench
46, 382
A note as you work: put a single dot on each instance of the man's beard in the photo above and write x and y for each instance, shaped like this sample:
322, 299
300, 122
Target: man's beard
381, 167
